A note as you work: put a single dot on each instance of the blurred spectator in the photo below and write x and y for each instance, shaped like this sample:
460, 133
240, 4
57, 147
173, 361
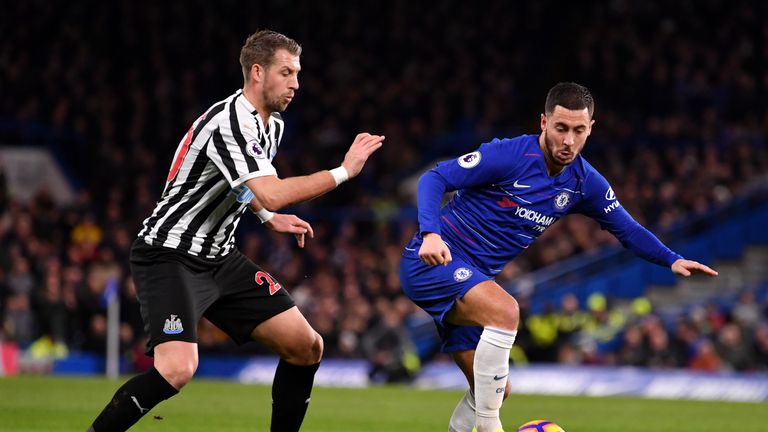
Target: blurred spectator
747, 312
733, 349
705, 357
603, 327
20, 280
660, 353
387, 346
52, 311
632, 352
571, 319
760, 347
685, 339
543, 336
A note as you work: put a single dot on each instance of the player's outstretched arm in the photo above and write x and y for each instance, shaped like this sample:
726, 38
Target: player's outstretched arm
684, 267
274, 193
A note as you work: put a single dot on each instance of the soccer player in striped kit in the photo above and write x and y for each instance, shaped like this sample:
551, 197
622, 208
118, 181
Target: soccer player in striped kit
507, 193
185, 264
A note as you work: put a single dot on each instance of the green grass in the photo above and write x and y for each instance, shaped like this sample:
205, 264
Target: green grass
70, 404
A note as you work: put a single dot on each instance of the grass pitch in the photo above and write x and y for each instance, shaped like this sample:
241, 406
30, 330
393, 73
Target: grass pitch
70, 404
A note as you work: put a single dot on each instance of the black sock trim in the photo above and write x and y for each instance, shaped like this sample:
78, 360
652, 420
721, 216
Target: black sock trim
300, 369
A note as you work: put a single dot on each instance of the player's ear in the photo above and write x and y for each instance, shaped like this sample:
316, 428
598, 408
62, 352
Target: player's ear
543, 122
257, 72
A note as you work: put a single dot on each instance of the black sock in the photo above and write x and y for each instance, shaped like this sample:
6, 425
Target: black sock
131, 401
290, 395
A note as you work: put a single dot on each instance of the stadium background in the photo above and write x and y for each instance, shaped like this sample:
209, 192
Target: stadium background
108, 88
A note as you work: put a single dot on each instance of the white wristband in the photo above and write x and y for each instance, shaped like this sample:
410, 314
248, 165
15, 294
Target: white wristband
340, 175
264, 215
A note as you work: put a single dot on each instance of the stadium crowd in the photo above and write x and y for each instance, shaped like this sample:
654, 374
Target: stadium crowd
680, 129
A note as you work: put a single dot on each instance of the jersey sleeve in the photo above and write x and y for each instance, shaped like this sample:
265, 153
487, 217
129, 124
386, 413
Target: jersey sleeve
235, 150
600, 203
486, 165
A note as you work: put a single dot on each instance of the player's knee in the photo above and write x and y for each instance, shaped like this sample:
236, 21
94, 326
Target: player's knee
305, 351
514, 313
507, 315
315, 351
318, 347
177, 371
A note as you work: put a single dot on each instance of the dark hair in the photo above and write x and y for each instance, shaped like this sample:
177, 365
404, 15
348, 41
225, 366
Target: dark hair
569, 95
260, 49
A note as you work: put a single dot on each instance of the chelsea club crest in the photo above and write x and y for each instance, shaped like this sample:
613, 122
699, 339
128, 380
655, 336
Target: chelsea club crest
562, 199
461, 274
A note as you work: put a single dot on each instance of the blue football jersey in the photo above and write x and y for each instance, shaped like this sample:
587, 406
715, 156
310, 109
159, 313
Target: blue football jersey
505, 199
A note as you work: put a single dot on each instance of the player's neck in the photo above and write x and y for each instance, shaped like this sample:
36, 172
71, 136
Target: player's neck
257, 103
552, 169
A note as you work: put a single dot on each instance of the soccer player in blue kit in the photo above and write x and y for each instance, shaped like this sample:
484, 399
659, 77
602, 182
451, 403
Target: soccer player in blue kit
507, 193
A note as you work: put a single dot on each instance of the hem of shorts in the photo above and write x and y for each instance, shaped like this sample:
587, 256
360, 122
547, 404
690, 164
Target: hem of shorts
150, 350
459, 296
457, 348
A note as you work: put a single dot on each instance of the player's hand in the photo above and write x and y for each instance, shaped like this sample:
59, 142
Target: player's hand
290, 224
363, 146
684, 267
434, 251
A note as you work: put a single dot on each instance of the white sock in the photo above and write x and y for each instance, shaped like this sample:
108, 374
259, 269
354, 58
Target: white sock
463, 418
491, 370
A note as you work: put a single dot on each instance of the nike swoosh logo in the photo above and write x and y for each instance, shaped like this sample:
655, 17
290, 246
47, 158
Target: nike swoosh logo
496, 377
520, 186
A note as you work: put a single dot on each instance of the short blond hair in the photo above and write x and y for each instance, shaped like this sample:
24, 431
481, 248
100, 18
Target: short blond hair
260, 49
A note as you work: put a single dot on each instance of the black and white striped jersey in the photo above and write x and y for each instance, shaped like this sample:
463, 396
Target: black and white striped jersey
205, 194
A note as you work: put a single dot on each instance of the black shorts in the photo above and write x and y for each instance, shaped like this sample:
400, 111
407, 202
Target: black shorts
175, 289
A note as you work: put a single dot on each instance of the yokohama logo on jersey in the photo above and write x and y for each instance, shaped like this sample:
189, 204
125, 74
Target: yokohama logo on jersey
534, 216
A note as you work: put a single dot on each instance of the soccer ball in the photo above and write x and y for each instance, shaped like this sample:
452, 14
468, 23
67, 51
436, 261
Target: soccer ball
540, 426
